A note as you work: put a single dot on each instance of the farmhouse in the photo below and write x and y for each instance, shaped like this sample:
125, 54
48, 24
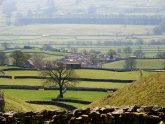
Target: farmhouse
73, 64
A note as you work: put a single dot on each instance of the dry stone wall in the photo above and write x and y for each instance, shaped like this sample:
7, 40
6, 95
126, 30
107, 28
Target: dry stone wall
2, 103
105, 115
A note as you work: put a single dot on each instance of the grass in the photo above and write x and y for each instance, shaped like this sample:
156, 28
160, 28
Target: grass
6, 67
101, 74
37, 82
47, 95
18, 105
148, 91
87, 73
141, 63
41, 95
77, 29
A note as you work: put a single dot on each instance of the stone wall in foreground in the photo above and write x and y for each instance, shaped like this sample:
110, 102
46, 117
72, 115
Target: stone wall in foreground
2, 103
105, 115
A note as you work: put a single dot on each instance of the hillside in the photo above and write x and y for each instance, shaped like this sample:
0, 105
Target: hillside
20, 12
148, 91
15, 104
77, 7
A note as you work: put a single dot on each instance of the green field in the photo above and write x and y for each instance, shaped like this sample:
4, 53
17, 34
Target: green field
46, 31
37, 82
141, 64
87, 73
41, 95
18, 105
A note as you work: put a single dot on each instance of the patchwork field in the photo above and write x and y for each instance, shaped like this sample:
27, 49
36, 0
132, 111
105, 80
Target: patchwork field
41, 95
37, 82
72, 29
87, 73
141, 64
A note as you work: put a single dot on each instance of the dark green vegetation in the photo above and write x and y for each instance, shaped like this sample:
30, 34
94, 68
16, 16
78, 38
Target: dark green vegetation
147, 91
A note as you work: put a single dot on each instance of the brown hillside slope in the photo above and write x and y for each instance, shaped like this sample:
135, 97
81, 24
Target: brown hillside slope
148, 91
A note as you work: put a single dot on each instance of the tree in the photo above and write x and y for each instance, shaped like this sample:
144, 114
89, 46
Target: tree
3, 58
130, 63
111, 53
139, 53
163, 64
5, 46
74, 50
161, 55
127, 50
47, 47
38, 61
159, 29
19, 58
92, 58
57, 73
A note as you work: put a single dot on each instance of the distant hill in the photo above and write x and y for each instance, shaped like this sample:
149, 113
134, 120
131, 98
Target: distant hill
148, 91
65, 11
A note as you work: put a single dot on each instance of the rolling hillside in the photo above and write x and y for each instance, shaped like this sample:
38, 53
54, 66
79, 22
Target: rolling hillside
148, 91
18, 105
58, 10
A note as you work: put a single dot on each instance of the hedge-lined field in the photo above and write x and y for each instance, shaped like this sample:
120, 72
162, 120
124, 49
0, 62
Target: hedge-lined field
141, 63
16, 104
41, 95
88, 73
38, 82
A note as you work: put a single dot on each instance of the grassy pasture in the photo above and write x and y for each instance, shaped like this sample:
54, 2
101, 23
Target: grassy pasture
18, 105
41, 95
37, 82
141, 63
87, 73
101, 74
76, 29
6, 67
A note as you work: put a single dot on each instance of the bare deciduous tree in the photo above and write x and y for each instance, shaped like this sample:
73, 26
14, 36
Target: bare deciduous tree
57, 73
38, 61
130, 63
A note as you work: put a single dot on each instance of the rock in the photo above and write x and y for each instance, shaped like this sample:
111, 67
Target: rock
106, 110
94, 114
29, 114
161, 115
77, 112
148, 109
49, 122
157, 109
85, 110
85, 118
72, 120
132, 108
118, 111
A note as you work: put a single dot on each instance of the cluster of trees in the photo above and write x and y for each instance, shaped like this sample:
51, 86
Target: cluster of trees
136, 41
127, 50
56, 72
21, 59
87, 19
130, 63
161, 54
160, 28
